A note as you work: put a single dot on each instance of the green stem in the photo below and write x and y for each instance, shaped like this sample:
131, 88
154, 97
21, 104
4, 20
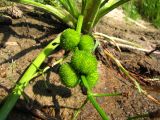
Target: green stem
90, 13
23, 82
93, 101
104, 95
97, 107
83, 6
79, 24
47, 68
58, 13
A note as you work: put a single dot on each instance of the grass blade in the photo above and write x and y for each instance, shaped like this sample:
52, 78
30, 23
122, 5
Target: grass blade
65, 4
73, 8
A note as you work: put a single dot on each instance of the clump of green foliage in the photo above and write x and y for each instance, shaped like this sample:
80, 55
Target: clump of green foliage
83, 18
83, 62
148, 9
4, 3
131, 10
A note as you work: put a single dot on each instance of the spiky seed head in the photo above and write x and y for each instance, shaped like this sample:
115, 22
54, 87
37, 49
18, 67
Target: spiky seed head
84, 62
92, 79
68, 76
86, 43
69, 39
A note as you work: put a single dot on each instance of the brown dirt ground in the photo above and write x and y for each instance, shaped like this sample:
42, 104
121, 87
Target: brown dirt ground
26, 36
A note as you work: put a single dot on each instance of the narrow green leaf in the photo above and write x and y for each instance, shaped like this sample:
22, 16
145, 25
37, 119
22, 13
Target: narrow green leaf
58, 13
90, 13
74, 8
65, 5
109, 6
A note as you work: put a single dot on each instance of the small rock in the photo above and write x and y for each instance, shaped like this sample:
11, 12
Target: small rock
3, 73
143, 38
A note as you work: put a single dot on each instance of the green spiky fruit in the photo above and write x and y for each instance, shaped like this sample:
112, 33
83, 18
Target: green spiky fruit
69, 39
86, 43
84, 62
68, 76
92, 79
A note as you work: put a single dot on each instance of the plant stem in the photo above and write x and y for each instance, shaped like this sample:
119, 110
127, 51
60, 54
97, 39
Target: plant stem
93, 101
58, 13
23, 82
79, 24
83, 6
47, 68
97, 107
90, 13
104, 95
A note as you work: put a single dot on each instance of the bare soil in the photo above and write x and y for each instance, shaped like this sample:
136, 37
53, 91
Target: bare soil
26, 36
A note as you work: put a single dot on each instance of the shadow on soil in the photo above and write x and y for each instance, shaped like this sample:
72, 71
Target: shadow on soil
9, 30
32, 109
44, 89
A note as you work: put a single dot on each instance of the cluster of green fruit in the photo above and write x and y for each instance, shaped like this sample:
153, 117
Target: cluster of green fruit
83, 62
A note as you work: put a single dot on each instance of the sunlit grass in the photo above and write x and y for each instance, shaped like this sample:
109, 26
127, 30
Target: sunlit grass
4, 3
131, 10
148, 9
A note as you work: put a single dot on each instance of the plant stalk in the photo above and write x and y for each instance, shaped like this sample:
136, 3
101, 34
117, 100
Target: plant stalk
105, 95
83, 6
79, 24
47, 68
97, 107
23, 82
93, 101
90, 13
